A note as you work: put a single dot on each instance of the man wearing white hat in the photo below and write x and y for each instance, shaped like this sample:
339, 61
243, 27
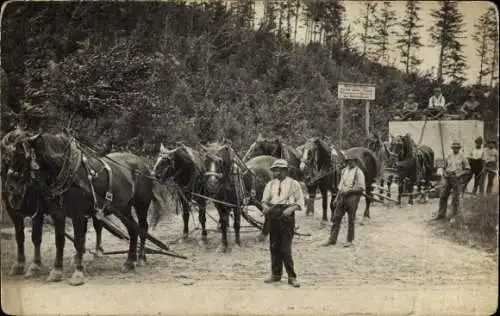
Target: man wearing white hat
455, 166
281, 198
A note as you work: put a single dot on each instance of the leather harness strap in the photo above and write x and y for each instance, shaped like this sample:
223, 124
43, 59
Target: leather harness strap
91, 174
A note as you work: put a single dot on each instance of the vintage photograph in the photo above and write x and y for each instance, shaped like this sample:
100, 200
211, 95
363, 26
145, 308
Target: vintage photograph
250, 157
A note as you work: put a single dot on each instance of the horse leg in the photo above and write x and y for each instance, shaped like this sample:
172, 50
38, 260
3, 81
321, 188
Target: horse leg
99, 250
18, 267
368, 201
224, 220
185, 218
36, 238
401, 185
237, 225
202, 217
59, 229
311, 190
141, 210
324, 198
129, 264
390, 179
79, 231
411, 183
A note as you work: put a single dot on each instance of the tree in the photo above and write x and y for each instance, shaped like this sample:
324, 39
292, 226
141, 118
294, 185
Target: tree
384, 25
368, 24
492, 29
481, 37
409, 40
445, 33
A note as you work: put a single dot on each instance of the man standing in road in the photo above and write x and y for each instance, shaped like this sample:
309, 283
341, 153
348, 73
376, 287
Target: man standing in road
455, 166
490, 165
476, 163
281, 198
352, 184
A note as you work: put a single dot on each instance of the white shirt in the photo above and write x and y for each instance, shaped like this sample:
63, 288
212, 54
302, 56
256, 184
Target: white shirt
476, 153
437, 102
352, 178
286, 192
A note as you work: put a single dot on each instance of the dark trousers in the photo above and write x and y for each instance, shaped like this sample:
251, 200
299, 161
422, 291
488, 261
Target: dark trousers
281, 231
345, 204
489, 176
455, 184
476, 166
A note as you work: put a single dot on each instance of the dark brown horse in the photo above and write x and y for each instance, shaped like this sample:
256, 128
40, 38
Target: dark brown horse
415, 165
184, 165
31, 205
277, 148
75, 182
319, 173
385, 158
369, 164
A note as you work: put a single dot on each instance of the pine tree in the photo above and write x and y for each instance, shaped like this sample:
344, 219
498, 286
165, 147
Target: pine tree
384, 25
492, 28
368, 23
409, 40
482, 38
445, 33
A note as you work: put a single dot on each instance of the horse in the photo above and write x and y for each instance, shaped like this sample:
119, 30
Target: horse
368, 163
277, 148
184, 165
74, 181
31, 205
385, 158
317, 166
415, 165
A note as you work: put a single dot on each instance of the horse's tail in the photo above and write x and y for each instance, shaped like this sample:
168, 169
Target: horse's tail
166, 201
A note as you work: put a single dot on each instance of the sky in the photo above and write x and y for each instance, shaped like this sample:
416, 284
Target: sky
429, 55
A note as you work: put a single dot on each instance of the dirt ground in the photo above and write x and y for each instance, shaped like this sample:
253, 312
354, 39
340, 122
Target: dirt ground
398, 265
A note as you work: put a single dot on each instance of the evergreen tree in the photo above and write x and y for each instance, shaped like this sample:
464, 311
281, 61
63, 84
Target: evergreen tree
409, 40
368, 23
384, 25
446, 34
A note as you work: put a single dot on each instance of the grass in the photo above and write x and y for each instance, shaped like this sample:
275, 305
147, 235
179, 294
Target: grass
480, 223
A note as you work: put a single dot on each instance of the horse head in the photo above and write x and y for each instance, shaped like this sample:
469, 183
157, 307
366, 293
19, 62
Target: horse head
19, 164
165, 163
316, 153
218, 165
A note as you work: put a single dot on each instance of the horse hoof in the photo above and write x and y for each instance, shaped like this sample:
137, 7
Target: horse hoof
222, 249
78, 278
17, 269
33, 270
99, 253
55, 275
128, 267
142, 261
261, 238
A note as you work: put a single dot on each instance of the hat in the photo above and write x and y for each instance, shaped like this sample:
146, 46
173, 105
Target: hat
349, 157
411, 95
280, 163
478, 140
456, 145
437, 89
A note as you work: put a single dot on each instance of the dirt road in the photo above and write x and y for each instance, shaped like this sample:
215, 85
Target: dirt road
397, 266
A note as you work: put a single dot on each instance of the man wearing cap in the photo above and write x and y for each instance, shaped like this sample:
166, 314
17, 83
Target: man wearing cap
476, 163
470, 108
281, 198
351, 186
410, 108
437, 103
490, 165
455, 166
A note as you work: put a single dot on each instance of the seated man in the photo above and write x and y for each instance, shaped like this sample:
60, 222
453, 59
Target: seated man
437, 105
470, 109
410, 108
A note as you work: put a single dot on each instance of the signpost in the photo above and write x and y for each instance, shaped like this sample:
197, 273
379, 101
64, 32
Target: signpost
355, 91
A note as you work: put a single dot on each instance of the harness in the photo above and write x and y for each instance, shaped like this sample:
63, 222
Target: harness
91, 175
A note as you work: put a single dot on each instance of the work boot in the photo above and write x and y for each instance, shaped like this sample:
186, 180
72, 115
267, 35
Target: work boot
348, 244
293, 282
272, 279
